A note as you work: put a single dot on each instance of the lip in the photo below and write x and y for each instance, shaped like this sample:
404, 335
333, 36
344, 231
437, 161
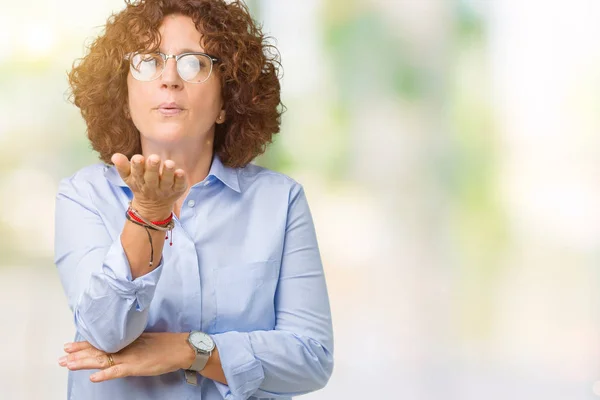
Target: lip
170, 108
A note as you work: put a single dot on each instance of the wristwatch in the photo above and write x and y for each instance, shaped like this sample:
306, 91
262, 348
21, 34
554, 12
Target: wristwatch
203, 345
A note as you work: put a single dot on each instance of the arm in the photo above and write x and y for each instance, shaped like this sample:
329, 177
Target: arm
297, 356
294, 358
108, 282
110, 308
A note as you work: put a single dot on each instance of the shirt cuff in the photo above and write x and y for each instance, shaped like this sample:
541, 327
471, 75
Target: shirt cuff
224, 390
244, 373
117, 274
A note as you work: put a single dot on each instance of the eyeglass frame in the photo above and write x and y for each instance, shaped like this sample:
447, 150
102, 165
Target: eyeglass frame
166, 58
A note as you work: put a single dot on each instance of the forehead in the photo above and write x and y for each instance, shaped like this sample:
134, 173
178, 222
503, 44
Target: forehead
178, 33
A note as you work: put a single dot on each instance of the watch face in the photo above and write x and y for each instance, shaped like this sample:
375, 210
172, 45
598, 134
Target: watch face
202, 341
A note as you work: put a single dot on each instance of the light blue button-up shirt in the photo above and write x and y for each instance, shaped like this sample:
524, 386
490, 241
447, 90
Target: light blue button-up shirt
244, 267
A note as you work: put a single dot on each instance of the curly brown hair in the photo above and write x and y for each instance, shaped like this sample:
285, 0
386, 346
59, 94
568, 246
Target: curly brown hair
248, 70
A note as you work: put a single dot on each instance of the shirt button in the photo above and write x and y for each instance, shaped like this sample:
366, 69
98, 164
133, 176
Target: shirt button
191, 203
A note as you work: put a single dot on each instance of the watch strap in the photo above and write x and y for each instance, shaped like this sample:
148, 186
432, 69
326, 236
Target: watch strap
200, 361
191, 377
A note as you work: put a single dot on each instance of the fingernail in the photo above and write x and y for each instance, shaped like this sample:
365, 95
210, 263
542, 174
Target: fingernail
153, 162
67, 346
94, 377
62, 361
71, 364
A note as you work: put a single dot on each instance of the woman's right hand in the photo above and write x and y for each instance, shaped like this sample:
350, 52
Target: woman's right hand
154, 192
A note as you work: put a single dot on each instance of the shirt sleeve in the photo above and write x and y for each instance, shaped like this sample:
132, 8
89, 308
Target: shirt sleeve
297, 356
110, 308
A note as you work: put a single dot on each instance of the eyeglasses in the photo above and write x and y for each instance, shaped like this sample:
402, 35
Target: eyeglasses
192, 67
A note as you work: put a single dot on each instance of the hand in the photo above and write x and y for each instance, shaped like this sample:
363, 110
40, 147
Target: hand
149, 355
154, 193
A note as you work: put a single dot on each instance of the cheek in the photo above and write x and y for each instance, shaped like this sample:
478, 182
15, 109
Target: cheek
138, 99
208, 100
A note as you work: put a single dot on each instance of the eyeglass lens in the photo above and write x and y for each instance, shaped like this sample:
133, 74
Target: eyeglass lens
191, 67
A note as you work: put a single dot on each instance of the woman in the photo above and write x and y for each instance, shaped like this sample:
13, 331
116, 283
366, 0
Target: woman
178, 97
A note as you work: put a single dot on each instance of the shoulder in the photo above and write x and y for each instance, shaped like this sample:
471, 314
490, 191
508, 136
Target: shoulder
256, 177
83, 181
93, 173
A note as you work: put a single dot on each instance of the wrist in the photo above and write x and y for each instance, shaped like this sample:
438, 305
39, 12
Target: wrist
152, 212
213, 361
188, 354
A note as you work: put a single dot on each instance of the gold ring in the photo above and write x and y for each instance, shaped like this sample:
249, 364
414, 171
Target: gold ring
111, 362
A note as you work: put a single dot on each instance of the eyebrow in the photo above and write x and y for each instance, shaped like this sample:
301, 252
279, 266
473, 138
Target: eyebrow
187, 51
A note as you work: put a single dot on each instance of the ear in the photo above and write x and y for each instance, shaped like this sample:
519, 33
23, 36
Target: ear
221, 117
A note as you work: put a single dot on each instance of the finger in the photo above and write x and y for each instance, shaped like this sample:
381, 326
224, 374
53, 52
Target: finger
122, 164
98, 361
85, 353
116, 371
168, 175
137, 168
64, 360
151, 173
179, 181
77, 346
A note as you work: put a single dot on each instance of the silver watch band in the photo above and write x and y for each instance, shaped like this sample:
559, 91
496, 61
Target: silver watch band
198, 365
191, 377
200, 362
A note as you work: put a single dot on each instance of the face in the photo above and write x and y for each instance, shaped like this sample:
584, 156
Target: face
200, 104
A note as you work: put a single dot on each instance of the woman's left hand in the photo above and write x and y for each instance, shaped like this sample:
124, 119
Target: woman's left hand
149, 355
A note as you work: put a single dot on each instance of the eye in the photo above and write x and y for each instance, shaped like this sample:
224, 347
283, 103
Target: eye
189, 66
146, 66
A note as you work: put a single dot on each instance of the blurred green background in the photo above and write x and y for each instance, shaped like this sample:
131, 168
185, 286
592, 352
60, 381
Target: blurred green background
450, 155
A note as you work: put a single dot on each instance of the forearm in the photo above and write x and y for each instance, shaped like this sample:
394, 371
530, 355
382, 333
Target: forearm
107, 334
136, 243
112, 310
125, 289
110, 307
274, 363
213, 369
287, 364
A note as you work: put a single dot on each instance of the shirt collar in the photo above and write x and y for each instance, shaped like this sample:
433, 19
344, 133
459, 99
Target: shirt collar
227, 175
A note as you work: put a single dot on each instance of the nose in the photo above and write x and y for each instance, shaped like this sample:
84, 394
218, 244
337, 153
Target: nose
170, 77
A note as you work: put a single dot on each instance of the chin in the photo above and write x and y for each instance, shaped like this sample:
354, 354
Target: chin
168, 134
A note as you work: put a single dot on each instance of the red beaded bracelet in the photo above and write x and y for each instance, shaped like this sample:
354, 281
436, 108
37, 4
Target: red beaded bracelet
134, 215
165, 225
164, 221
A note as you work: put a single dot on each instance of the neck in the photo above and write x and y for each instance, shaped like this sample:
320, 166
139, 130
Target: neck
194, 158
